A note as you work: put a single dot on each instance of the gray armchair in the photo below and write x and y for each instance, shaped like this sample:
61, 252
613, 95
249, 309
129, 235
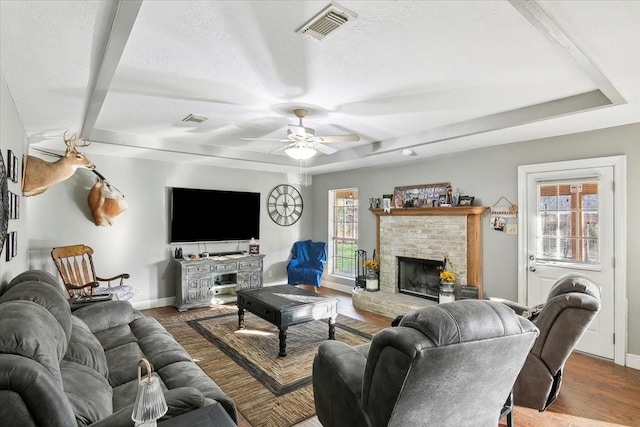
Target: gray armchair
453, 364
572, 303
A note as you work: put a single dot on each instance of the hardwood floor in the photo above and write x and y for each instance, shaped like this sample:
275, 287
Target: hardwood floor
595, 392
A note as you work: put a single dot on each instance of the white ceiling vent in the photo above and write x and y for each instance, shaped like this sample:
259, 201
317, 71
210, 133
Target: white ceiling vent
328, 20
193, 118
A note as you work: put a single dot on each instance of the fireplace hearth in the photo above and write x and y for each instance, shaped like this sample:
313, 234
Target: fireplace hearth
419, 277
427, 233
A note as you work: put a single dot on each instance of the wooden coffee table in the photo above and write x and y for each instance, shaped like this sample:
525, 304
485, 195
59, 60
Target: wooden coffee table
286, 305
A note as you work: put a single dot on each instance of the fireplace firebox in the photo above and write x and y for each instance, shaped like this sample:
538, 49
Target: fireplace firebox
419, 277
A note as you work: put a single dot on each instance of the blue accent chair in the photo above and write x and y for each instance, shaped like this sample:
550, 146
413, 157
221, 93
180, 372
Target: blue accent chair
307, 263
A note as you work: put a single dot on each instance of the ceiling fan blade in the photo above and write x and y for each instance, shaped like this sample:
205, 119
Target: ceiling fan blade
284, 147
350, 137
324, 149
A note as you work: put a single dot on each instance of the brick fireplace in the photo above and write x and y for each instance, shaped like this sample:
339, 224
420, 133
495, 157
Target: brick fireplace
427, 233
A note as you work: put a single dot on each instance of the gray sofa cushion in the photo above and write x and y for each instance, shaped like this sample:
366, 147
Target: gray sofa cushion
123, 362
30, 395
38, 276
159, 346
188, 374
115, 337
46, 296
30, 331
85, 349
107, 315
88, 391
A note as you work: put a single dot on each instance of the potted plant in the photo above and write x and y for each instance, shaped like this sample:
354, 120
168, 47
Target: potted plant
373, 267
447, 281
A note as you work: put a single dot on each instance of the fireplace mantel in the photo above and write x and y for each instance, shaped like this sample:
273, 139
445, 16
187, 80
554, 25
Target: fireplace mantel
440, 210
474, 233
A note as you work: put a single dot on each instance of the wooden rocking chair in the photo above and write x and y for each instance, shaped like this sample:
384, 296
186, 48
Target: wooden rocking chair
75, 265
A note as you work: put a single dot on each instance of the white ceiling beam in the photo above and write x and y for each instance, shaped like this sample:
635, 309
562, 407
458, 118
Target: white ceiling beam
537, 17
123, 21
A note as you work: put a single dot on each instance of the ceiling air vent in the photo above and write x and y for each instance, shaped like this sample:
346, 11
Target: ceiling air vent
328, 20
192, 118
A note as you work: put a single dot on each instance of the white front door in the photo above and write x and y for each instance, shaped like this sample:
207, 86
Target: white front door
570, 227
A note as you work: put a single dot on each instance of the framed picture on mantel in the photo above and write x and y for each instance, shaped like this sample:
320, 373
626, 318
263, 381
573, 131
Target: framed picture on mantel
417, 196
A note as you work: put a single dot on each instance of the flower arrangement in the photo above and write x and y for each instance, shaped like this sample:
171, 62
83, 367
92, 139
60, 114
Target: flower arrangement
447, 275
373, 264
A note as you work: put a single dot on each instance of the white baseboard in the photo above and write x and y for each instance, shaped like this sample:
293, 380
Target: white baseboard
154, 303
337, 286
633, 361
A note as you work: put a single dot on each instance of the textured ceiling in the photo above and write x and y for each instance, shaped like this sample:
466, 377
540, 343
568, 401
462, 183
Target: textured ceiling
434, 76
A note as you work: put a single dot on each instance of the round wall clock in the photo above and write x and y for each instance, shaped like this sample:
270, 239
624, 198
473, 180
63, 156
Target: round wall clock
285, 205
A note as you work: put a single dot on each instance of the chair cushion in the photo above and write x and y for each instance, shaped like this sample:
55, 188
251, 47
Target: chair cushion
457, 322
574, 282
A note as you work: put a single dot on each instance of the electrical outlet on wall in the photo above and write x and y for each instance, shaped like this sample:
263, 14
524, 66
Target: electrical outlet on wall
512, 229
137, 291
269, 273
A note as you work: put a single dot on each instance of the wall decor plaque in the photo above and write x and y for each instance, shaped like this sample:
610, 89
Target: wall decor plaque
418, 196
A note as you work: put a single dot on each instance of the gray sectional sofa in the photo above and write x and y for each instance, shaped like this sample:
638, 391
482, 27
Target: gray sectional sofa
74, 368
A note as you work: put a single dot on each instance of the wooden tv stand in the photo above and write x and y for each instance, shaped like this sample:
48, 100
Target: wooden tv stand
214, 280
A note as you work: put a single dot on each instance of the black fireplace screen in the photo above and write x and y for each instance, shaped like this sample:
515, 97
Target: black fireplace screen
419, 277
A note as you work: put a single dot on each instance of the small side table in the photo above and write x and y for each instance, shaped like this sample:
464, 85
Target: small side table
207, 416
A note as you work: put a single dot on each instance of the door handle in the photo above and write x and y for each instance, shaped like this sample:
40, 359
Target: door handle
532, 268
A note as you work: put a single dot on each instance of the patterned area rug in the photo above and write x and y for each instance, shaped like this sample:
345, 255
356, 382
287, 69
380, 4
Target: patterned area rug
268, 390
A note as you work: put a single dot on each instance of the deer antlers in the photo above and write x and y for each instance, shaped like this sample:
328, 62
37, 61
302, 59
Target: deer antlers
72, 141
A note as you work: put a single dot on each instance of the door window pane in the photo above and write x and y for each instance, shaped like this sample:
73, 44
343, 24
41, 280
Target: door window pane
568, 222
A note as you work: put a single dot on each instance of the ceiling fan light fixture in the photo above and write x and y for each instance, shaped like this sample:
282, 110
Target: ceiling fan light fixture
300, 132
300, 152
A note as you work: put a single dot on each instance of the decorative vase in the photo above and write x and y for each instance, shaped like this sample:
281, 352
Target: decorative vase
447, 292
372, 280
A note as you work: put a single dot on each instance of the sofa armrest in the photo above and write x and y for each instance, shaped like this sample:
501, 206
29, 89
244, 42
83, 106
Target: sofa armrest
106, 315
179, 400
338, 371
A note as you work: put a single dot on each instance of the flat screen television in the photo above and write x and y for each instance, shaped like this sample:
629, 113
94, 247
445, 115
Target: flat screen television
213, 215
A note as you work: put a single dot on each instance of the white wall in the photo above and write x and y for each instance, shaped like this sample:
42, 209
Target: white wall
489, 174
137, 243
13, 137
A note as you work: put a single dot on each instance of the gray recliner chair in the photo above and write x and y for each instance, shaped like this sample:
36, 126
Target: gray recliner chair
453, 364
572, 303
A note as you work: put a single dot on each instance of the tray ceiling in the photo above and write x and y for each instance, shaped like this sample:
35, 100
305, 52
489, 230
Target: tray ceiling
435, 77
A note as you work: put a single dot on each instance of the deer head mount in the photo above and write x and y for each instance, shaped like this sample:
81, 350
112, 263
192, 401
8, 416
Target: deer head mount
39, 175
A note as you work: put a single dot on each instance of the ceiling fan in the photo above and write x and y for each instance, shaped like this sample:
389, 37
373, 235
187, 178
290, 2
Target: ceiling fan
302, 142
